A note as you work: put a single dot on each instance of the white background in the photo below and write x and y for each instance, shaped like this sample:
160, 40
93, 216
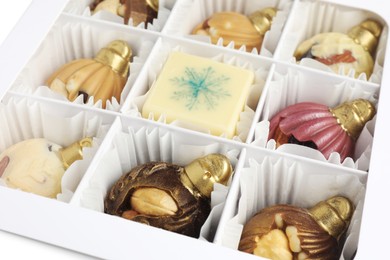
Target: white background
13, 246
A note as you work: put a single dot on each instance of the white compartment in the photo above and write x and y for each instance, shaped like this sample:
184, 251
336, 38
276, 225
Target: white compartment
133, 143
267, 180
293, 85
82, 8
136, 98
74, 38
25, 119
309, 18
187, 14
279, 82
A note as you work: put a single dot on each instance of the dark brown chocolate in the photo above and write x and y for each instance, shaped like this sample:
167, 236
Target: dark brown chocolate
192, 210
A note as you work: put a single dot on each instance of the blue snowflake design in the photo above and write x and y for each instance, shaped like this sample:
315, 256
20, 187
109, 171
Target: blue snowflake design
197, 84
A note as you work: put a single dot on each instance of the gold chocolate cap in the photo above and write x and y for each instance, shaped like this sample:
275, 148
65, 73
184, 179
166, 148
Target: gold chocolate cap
202, 173
262, 19
74, 151
352, 116
117, 55
333, 215
366, 34
153, 4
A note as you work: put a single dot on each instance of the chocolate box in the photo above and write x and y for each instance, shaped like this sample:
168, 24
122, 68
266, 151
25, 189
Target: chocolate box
263, 174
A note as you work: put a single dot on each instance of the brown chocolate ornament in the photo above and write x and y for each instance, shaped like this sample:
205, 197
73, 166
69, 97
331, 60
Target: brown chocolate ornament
141, 11
288, 232
169, 196
237, 28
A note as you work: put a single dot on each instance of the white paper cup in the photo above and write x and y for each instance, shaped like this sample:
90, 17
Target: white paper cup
136, 98
70, 39
309, 18
291, 86
132, 145
187, 14
270, 180
24, 119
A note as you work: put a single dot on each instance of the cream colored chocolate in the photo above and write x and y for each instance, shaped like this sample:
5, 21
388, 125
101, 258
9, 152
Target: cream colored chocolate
205, 93
354, 50
34, 166
325, 45
238, 28
37, 165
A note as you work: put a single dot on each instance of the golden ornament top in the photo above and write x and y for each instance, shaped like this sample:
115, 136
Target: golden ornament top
333, 215
352, 116
117, 55
262, 19
366, 34
200, 175
153, 4
74, 151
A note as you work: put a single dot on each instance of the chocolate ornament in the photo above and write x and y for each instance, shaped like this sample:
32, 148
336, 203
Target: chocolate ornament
103, 77
140, 11
169, 196
320, 127
286, 232
354, 50
37, 165
240, 29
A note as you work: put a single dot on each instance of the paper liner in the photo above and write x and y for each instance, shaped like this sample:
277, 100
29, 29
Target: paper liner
68, 41
294, 87
138, 146
82, 8
188, 14
309, 18
274, 181
138, 97
22, 119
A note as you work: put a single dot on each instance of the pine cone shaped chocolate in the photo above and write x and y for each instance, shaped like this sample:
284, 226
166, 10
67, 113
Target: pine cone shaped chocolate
103, 77
287, 232
320, 127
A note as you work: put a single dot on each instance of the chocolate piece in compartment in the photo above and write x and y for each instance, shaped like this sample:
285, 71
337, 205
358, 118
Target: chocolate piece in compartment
237, 28
318, 126
354, 50
289, 232
103, 77
140, 11
169, 196
201, 92
37, 165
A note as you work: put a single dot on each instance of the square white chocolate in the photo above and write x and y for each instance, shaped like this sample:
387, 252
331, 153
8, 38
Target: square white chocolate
199, 91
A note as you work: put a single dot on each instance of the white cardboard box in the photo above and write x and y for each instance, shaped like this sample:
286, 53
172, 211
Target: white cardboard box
92, 233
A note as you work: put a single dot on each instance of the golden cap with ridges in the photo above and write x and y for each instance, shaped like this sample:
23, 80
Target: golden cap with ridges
333, 215
202, 173
117, 55
262, 19
74, 152
352, 116
366, 34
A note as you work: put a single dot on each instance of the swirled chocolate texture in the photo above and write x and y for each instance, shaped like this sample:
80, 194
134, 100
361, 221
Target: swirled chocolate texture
153, 194
287, 232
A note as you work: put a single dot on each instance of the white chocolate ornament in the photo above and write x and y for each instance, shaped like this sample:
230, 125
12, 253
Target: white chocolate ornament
37, 165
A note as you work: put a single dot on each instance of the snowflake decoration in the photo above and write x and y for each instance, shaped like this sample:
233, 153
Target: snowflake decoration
202, 87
